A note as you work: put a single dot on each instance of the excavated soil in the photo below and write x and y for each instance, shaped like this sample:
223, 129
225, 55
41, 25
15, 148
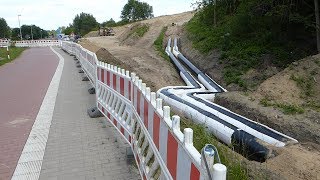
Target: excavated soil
299, 161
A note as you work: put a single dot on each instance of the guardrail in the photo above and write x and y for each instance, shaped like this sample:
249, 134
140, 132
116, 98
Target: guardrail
160, 149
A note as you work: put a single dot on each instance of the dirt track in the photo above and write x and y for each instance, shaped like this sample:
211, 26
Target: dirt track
293, 162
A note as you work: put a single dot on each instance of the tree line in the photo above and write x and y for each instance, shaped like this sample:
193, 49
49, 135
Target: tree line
132, 11
28, 32
82, 24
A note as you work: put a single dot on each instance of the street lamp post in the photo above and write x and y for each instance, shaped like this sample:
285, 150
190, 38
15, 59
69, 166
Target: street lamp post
31, 33
20, 26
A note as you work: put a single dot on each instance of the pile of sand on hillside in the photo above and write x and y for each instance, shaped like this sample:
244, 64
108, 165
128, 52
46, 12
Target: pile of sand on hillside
105, 56
92, 34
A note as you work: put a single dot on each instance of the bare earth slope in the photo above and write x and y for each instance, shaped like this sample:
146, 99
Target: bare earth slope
142, 58
300, 161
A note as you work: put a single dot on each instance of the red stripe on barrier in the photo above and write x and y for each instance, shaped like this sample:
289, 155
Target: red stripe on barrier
108, 78
130, 139
102, 75
121, 86
138, 102
146, 109
144, 177
115, 122
115, 82
108, 114
194, 174
156, 129
122, 130
172, 154
102, 109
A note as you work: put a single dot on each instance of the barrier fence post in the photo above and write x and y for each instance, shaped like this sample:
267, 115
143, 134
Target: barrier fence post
8, 52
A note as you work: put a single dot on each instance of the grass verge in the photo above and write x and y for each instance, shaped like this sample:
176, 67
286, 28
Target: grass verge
158, 44
14, 53
236, 170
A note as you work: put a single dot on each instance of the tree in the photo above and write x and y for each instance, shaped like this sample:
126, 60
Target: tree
37, 32
109, 23
15, 35
316, 10
135, 10
4, 29
68, 30
84, 23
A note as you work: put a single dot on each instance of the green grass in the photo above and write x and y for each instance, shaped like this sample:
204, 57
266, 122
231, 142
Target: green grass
313, 105
236, 170
139, 30
285, 108
158, 44
14, 53
305, 83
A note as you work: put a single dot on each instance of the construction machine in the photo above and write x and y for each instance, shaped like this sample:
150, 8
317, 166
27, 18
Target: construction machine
106, 31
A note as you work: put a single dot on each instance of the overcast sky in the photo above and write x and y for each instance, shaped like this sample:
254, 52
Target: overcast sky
51, 14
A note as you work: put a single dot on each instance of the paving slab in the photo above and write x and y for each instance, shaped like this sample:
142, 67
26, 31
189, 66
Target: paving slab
79, 147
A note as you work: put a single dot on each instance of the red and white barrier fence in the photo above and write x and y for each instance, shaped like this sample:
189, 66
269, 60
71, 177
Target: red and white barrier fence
4, 43
161, 150
36, 43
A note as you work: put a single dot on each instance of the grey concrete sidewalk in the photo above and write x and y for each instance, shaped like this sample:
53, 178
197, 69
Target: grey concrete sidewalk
79, 147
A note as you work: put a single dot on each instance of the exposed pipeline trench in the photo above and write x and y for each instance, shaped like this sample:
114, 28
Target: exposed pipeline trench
246, 136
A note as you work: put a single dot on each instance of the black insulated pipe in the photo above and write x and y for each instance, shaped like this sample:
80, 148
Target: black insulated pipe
195, 70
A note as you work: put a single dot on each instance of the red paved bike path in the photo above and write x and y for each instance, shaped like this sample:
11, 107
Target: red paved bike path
23, 85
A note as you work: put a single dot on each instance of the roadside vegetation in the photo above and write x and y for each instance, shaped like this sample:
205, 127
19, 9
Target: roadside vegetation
158, 44
14, 53
248, 31
237, 170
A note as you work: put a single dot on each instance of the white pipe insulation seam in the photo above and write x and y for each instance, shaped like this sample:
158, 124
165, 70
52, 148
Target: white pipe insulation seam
229, 127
